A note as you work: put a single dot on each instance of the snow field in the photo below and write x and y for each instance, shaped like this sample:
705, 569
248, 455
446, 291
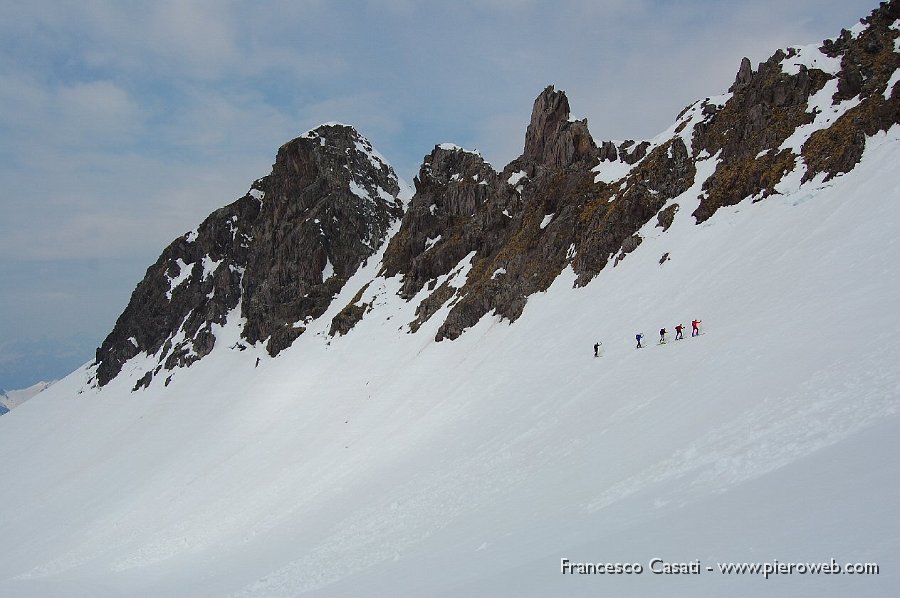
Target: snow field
385, 464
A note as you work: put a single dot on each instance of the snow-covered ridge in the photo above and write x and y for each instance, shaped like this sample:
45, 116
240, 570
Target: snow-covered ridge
375, 158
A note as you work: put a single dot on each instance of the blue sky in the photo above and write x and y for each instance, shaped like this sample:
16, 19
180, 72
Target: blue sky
122, 124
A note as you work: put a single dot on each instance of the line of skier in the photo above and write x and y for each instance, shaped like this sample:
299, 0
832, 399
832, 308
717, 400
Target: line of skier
639, 337
679, 334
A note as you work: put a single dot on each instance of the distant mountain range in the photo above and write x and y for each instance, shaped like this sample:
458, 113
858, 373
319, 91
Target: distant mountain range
10, 399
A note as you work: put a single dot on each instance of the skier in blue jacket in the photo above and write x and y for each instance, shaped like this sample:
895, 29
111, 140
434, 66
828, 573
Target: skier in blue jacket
638, 338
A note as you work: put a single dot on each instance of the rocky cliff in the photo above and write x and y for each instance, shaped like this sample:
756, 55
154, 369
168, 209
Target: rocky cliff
475, 241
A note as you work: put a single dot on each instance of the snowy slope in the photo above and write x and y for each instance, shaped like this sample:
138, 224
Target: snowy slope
385, 464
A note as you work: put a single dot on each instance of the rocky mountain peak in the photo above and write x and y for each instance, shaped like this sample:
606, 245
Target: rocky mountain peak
457, 202
552, 138
279, 253
339, 154
744, 75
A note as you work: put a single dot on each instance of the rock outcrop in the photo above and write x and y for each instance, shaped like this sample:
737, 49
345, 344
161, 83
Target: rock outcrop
515, 227
869, 62
770, 105
553, 139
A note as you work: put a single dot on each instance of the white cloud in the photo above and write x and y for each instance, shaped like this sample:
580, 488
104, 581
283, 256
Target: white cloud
97, 106
136, 211
367, 111
187, 36
80, 115
500, 137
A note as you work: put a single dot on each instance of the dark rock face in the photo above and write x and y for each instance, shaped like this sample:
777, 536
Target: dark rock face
191, 287
764, 110
332, 204
665, 217
461, 206
629, 245
281, 252
609, 221
458, 208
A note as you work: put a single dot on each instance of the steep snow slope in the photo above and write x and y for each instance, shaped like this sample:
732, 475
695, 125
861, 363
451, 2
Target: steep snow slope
385, 464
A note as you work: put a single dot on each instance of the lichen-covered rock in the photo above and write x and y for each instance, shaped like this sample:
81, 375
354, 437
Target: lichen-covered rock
517, 230
769, 105
868, 62
516, 225
617, 212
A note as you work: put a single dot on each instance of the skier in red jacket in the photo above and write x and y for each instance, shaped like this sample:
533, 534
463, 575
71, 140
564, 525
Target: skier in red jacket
695, 327
679, 332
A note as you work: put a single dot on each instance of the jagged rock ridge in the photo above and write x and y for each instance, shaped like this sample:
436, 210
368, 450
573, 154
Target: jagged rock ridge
805, 111
283, 251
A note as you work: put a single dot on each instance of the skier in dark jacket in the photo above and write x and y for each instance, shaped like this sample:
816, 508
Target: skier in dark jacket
679, 332
638, 337
596, 348
662, 336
